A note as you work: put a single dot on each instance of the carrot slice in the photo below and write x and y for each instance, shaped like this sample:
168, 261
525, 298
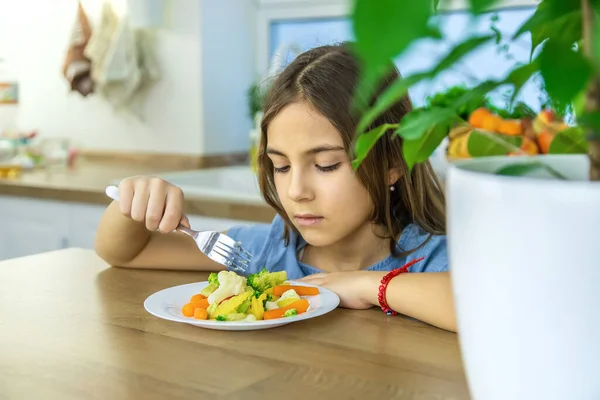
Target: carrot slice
200, 313
300, 306
301, 290
188, 310
197, 297
200, 303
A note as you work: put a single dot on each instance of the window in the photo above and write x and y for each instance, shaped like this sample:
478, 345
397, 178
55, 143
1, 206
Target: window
488, 62
308, 33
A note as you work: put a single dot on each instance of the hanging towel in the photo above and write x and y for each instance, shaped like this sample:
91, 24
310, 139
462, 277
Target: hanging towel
76, 66
122, 58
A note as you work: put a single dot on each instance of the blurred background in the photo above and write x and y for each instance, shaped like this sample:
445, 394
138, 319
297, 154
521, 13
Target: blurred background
94, 91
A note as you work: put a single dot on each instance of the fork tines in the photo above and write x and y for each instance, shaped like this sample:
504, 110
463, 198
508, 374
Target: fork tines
237, 257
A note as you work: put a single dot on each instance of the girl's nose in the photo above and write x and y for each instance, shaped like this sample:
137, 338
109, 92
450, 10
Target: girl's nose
299, 188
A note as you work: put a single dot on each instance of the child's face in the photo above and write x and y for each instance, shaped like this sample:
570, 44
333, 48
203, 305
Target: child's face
314, 177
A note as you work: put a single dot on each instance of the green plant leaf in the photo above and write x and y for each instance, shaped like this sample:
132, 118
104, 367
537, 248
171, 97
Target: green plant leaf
400, 88
434, 32
483, 144
565, 72
579, 105
560, 20
519, 169
520, 76
366, 141
367, 84
475, 94
569, 141
459, 51
446, 98
479, 6
566, 29
389, 97
524, 168
589, 120
416, 123
497, 34
384, 29
420, 149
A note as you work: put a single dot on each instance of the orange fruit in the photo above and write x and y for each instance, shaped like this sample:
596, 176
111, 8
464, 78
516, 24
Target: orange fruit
510, 127
544, 139
478, 116
529, 146
492, 123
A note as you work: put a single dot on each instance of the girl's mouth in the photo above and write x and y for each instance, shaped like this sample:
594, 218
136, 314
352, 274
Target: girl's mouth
307, 219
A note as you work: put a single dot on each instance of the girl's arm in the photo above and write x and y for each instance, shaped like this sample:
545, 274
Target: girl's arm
426, 296
123, 242
127, 233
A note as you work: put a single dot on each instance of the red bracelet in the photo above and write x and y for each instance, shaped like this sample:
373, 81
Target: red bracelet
384, 283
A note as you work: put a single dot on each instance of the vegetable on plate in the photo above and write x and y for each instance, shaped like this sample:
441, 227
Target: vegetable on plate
230, 297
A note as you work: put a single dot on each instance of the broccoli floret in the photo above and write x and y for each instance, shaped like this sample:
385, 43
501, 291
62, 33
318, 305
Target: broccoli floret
290, 313
213, 279
264, 279
231, 317
257, 294
267, 299
208, 290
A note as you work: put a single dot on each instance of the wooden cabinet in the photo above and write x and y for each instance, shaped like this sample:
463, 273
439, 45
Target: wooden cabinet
30, 226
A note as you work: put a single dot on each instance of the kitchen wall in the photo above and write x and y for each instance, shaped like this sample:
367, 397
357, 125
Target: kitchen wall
185, 112
228, 70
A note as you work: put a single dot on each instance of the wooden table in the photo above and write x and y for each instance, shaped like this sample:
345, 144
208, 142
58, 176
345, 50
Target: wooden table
73, 328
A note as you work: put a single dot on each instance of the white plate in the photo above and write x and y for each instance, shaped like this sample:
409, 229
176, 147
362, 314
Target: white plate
167, 303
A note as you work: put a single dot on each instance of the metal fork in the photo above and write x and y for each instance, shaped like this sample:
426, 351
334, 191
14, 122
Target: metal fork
216, 245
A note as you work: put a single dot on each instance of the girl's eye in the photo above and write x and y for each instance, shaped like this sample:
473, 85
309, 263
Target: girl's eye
282, 169
328, 168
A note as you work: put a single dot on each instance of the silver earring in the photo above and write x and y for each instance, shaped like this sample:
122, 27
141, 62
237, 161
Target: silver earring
392, 188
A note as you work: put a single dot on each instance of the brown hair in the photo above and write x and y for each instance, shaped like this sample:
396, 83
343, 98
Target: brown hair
326, 78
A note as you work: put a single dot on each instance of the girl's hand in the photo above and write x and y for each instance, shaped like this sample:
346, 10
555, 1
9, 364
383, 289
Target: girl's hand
354, 288
152, 201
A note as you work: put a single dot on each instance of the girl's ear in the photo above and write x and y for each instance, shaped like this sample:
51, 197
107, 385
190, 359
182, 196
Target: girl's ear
393, 175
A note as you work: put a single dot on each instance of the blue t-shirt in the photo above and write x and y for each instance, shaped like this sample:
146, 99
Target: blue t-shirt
266, 244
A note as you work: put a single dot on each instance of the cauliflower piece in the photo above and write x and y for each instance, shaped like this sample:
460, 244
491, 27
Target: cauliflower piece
230, 284
288, 297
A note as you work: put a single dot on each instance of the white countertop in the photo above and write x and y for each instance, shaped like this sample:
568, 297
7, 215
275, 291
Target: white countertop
237, 183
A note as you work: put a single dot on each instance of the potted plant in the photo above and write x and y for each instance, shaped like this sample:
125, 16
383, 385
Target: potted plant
522, 231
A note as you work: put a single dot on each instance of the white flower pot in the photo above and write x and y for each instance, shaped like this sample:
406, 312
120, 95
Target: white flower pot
525, 265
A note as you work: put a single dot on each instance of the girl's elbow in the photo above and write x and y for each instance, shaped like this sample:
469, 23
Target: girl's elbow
108, 254
451, 326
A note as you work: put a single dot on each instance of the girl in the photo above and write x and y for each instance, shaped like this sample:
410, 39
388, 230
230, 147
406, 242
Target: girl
335, 227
